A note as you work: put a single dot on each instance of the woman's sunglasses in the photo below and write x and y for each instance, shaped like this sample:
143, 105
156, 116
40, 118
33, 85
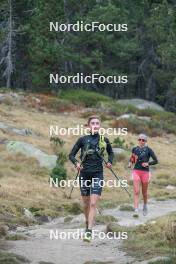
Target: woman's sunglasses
143, 140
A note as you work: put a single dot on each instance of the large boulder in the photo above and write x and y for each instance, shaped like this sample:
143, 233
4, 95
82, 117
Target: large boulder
118, 151
29, 150
133, 116
19, 131
141, 104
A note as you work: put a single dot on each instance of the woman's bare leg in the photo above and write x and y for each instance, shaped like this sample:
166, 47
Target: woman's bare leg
144, 191
136, 189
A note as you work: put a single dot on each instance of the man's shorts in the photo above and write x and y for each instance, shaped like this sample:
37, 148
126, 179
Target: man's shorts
90, 183
140, 175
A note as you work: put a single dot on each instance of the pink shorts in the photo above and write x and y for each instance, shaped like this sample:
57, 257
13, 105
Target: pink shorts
140, 175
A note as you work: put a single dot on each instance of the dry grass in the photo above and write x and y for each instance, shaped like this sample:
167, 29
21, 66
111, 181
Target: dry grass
153, 239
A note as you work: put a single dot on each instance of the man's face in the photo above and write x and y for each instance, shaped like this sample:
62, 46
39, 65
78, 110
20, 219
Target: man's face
94, 125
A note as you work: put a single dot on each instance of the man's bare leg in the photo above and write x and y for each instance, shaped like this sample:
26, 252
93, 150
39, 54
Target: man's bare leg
92, 210
86, 202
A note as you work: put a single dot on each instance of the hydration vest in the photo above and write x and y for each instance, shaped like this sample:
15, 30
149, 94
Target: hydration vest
100, 147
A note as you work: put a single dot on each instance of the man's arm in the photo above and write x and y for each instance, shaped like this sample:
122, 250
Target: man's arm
109, 151
75, 150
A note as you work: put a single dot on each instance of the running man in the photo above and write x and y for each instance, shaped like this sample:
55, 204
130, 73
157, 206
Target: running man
91, 170
140, 174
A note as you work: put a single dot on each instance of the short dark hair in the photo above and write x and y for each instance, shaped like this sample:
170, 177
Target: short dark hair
93, 117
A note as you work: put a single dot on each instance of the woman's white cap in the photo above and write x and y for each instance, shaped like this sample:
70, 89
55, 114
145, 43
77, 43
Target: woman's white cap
142, 136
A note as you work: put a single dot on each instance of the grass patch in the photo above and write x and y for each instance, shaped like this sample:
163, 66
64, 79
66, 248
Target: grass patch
98, 262
73, 208
151, 240
126, 207
104, 219
117, 109
10, 258
44, 262
161, 121
108, 204
103, 117
115, 227
68, 219
168, 260
136, 126
164, 178
15, 237
83, 97
60, 105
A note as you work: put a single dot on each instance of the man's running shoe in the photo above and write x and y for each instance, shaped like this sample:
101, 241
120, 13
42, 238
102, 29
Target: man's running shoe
87, 235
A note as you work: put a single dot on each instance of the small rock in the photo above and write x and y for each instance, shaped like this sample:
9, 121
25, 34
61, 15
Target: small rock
170, 187
126, 116
20, 229
153, 222
43, 219
145, 118
37, 100
28, 214
78, 219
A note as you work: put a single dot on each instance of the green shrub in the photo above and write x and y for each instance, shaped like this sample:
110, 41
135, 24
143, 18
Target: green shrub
136, 126
57, 145
58, 173
59, 105
119, 143
86, 98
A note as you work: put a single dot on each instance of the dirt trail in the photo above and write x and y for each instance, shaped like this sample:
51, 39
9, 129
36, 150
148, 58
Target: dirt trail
156, 209
39, 246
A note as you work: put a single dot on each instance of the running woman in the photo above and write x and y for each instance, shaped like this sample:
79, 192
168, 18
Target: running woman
91, 169
140, 174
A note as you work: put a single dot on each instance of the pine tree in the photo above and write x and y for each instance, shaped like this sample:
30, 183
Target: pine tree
8, 46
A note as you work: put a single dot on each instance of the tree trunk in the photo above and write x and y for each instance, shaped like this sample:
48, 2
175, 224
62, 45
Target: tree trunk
9, 55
